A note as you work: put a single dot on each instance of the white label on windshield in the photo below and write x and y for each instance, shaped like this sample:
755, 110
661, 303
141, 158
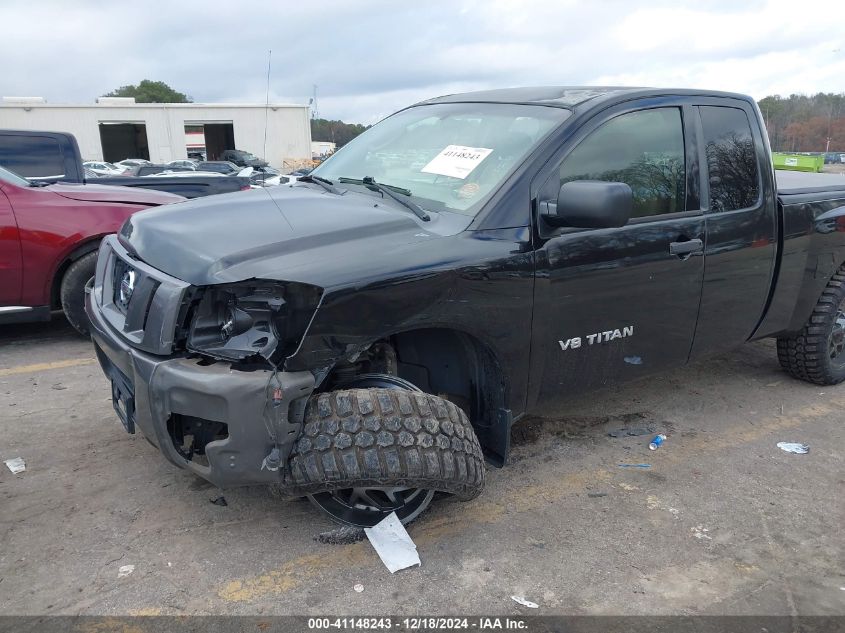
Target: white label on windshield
457, 161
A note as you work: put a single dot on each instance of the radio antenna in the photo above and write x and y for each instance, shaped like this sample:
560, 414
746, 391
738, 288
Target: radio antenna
267, 103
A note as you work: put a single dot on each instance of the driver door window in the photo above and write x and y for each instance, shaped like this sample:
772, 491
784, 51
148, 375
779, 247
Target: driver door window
643, 149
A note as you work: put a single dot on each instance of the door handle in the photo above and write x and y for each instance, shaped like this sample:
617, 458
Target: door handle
685, 249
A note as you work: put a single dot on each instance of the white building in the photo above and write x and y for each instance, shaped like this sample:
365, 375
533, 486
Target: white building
321, 149
116, 128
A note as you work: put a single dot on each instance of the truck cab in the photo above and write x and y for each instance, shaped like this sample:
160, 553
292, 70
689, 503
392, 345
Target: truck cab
365, 335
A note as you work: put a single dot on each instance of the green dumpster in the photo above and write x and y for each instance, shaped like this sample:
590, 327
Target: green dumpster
798, 162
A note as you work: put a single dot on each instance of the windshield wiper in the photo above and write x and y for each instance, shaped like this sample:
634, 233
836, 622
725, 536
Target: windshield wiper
325, 183
391, 192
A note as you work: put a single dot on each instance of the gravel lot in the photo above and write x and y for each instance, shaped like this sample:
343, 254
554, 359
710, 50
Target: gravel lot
722, 523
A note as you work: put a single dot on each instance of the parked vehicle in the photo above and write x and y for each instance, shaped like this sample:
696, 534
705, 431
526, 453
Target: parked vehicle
103, 168
186, 164
130, 163
270, 177
362, 336
242, 158
220, 166
57, 153
50, 235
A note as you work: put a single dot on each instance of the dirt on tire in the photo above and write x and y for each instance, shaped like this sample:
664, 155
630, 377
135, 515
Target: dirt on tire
385, 437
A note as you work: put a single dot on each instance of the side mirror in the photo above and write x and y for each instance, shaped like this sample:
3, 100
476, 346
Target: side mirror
592, 204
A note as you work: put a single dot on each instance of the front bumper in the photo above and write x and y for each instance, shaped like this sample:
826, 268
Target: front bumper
162, 387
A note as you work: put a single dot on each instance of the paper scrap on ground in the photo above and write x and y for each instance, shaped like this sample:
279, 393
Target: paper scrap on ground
524, 602
16, 465
125, 570
794, 447
392, 544
456, 161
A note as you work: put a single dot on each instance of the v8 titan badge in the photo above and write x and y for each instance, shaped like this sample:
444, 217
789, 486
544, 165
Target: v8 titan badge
599, 337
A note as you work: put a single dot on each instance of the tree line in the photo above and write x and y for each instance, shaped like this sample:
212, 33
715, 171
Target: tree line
802, 123
335, 131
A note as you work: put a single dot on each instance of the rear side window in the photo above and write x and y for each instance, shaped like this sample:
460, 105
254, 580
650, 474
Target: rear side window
731, 158
645, 150
31, 156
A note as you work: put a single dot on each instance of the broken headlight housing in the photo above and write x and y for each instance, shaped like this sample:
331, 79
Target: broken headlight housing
237, 321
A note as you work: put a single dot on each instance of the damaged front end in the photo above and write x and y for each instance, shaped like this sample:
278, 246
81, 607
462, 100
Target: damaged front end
250, 321
200, 370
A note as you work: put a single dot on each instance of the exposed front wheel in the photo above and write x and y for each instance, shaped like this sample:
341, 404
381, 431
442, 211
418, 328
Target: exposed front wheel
817, 353
72, 291
365, 453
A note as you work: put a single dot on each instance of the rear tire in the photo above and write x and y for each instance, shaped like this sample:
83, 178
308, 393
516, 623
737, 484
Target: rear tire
72, 292
817, 353
387, 450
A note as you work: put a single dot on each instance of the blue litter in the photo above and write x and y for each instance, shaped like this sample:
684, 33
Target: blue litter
634, 465
633, 360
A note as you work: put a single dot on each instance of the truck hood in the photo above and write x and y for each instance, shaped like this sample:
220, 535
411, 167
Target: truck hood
109, 193
285, 233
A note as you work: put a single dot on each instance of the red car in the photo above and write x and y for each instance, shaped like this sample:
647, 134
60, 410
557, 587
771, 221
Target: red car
49, 237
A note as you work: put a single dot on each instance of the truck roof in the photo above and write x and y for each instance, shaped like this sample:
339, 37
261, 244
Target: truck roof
569, 97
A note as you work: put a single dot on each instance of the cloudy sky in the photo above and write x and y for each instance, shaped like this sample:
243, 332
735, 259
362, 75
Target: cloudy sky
370, 58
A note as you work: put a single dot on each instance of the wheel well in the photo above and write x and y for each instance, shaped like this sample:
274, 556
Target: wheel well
55, 289
450, 364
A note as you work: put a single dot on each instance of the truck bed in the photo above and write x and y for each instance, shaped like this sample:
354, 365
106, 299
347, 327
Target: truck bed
797, 182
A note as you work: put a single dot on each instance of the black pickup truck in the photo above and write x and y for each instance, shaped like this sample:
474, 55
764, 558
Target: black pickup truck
368, 336
55, 157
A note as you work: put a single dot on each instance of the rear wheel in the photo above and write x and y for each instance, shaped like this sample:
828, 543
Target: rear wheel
367, 452
817, 353
72, 291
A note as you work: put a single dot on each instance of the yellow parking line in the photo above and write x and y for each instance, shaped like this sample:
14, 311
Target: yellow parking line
37, 367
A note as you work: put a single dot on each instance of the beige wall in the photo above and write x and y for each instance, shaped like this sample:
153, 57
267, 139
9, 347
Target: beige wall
288, 127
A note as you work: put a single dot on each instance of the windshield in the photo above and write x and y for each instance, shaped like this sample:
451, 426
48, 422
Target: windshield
454, 155
13, 179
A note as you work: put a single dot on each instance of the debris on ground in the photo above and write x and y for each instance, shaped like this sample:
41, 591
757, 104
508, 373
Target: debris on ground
656, 442
596, 495
630, 432
791, 447
634, 465
220, 501
345, 535
358, 588
125, 570
392, 543
633, 360
16, 465
525, 603
700, 532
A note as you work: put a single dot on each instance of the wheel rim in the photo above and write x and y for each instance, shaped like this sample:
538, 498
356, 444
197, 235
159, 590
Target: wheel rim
365, 507
836, 345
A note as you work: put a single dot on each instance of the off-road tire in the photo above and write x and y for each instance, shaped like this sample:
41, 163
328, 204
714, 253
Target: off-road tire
806, 355
72, 292
385, 437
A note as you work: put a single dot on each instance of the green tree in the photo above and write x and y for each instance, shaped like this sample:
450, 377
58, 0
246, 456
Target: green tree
335, 131
148, 91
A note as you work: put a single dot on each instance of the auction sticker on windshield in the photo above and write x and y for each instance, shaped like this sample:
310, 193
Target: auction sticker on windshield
457, 161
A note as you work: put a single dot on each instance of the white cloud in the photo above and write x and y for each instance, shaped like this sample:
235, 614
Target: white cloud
370, 58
